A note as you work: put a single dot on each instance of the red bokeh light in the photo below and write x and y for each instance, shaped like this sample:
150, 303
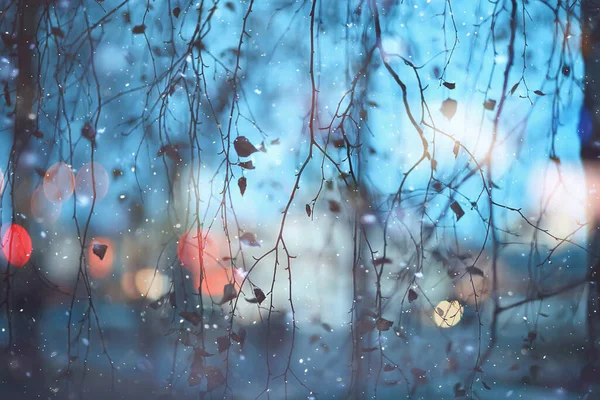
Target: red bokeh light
195, 245
16, 244
59, 182
101, 268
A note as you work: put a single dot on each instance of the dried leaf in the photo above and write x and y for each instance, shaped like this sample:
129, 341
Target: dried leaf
489, 104
249, 239
171, 151
449, 85
56, 31
449, 108
334, 206
191, 317
457, 210
99, 250
242, 185
259, 294
314, 339
202, 353
388, 367
88, 131
364, 326
539, 92
239, 337
229, 293
326, 326
456, 148
223, 343
138, 29
383, 324
473, 270
308, 210
412, 295
247, 164
339, 143
485, 385
514, 88
214, 378
381, 261
243, 147
176, 12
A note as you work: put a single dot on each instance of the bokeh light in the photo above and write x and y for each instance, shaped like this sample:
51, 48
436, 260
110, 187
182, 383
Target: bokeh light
59, 182
42, 209
16, 244
85, 184
101, 268
447, 313
193, 246
150, 285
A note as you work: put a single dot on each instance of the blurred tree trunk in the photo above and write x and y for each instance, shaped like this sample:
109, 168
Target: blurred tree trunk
589, 134
25, 299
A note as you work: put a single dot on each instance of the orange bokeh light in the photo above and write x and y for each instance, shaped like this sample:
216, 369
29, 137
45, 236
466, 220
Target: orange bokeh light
101, 268
42, 209
16, 244
193, 246
59, 182
85, 184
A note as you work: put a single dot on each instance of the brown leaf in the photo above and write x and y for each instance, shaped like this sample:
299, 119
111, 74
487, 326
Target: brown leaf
260, 296
176, 12
456, 148
202, 353
334, 206
383, 324
388, 367
247, 164
239, 337
99, 250
88, 131
457, 210
56, 31
449, 85
249, 239
489, 104
364, 326
243, 147
229, 293
308, 210
191, 317
449, 108
138, 29
242, 185
473, 270
539, 92
171, 151
223, 343
214, 378
381, 261
412, 295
